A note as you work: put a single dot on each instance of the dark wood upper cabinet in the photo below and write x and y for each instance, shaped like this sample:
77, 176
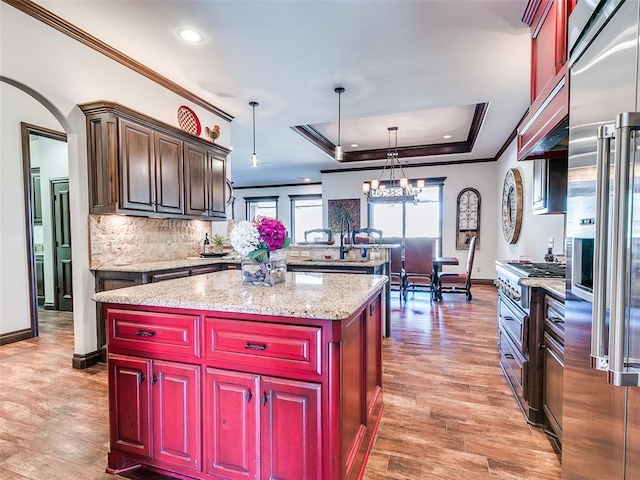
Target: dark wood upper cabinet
544, 127
140, 166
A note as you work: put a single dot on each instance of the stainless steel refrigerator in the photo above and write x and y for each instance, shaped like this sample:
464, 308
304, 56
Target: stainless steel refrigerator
601, 407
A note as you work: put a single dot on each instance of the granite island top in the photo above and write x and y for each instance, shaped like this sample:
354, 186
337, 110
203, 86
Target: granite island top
197, 261
329, 296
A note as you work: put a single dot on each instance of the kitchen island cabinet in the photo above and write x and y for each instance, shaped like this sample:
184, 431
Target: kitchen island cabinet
213, 379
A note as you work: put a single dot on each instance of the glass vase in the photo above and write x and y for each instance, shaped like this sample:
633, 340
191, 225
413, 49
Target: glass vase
266, 274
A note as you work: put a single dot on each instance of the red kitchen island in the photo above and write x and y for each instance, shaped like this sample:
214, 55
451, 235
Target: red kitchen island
210, 379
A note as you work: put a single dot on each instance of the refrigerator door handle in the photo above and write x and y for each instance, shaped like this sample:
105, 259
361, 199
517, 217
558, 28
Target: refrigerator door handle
619, 373
599, 359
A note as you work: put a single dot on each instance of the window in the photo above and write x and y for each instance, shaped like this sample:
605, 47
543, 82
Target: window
306, 214
264, 206
422, 219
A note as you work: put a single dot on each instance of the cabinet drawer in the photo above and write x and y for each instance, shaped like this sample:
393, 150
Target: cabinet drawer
554, 317
282, 347
514, 322
160, 277
153, 333
515, 369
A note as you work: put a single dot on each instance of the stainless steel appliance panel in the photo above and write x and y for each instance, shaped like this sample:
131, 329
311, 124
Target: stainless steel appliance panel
602, 85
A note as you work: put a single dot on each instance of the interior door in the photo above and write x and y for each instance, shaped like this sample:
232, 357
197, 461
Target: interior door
62, 243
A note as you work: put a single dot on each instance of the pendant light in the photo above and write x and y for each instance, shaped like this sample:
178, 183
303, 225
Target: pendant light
395, 189
254, 157
338, 152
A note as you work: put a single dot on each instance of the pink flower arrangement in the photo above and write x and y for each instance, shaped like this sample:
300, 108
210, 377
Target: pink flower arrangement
256, 239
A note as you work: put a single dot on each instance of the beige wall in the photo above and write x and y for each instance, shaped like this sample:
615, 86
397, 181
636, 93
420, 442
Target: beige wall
65, 74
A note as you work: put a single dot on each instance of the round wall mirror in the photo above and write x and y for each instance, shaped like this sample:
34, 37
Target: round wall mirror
468, 218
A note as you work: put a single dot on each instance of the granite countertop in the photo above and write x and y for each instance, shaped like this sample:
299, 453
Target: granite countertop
304, 246
162, 264
330, 296
197, 261
555, 286
336, 262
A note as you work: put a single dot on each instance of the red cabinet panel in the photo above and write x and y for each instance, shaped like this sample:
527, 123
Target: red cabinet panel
130, 404
168, 334
176, 414
283, 347
291, 430
231, 436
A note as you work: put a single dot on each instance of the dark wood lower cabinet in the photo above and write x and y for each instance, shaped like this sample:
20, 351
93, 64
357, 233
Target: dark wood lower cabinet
531, 347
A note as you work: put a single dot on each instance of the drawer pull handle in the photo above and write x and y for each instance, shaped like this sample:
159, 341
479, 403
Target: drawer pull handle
265, 397
144, 333
509, 319
249, 396
255, 346
555, 320
508, 356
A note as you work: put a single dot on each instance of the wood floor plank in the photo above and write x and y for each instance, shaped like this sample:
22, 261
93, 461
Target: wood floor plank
449, 413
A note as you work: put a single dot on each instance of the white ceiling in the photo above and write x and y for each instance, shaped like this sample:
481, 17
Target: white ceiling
403, 63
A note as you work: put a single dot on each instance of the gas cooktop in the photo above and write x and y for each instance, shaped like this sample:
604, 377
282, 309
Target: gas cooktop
549, 270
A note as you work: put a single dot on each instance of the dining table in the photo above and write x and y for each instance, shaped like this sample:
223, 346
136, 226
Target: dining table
438, 262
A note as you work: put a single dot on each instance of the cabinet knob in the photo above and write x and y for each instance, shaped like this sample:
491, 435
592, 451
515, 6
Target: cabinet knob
154, 379
141, 378
249, 396
265, 398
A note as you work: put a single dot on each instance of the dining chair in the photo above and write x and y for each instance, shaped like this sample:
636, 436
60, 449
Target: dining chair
418, 264
366, 235
318, 235
459, 282
396, 267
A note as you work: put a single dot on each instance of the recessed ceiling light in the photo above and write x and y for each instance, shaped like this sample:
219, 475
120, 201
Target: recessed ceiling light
304, 179
446, 136
354, 145
190, 35
307, 179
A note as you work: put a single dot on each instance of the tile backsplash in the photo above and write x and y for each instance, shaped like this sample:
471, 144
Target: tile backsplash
124, 239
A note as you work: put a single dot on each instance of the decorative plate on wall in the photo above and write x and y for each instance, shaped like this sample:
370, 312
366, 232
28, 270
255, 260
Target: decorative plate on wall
188, 120
512, 205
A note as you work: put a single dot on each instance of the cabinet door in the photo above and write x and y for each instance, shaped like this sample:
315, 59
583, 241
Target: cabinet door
548, 43
176, 414
290, 424
196, 192
137, 167
169, 174
129, 402
231, 435
216, 185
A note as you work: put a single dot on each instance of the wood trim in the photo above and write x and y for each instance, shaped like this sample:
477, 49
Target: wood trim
27, 129
530, 11
413, 165
50, 19
324, 144
18, 335
88, 359
103, 106
278, 185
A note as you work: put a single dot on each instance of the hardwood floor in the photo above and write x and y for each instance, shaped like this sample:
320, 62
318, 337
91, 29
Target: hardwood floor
449, 413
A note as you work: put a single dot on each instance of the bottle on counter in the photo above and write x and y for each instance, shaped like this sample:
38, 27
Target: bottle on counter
207, 245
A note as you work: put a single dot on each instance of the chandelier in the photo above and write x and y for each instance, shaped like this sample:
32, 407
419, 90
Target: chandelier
393, 190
